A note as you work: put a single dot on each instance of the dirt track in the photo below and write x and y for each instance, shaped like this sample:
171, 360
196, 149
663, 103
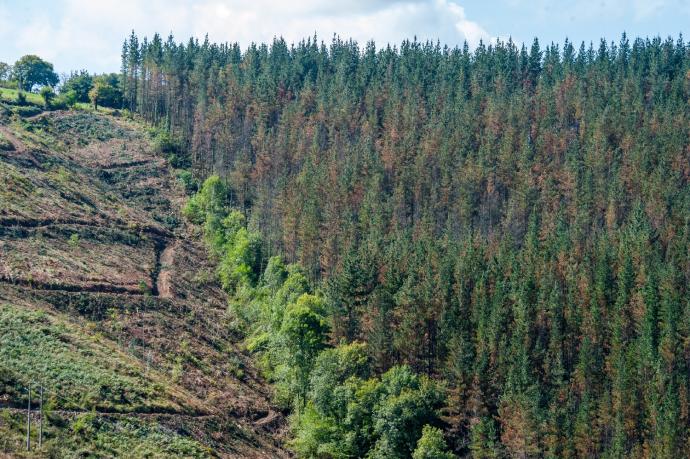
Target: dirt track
164, 282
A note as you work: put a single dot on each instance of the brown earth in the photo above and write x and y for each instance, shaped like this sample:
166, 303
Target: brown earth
165, 276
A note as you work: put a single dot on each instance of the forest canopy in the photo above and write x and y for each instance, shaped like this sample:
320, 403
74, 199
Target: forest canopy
507, 229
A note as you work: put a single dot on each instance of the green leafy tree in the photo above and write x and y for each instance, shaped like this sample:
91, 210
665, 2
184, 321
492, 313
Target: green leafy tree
5, 71
209, 203
304, 332
31, 71
81, 83
48, 95
240, 264
106, 92
332, 368
431, 445
408, 402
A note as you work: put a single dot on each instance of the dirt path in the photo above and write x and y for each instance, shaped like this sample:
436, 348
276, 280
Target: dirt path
18, 145
164, 281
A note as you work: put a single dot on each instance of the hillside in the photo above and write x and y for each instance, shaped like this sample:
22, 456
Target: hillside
414, 251
109, 301
509, 223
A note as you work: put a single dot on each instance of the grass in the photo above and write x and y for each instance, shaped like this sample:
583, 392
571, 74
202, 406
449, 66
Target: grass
78, 127
81, 373
10, 95
89, 435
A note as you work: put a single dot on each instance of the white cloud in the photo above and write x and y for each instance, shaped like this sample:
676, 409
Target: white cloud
385, 22
88, 33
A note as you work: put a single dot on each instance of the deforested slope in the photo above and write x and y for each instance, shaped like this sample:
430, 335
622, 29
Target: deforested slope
109, 302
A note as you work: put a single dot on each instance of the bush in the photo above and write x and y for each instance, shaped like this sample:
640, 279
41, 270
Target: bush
210, 201
190, 184
74, 240
48, 95
59, 103
166, 143
27, 111
5, 144
171, 147
69, 98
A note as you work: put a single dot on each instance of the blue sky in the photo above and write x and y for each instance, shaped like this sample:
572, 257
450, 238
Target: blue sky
75, 34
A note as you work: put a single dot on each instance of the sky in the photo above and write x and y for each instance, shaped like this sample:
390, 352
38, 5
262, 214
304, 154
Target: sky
88, 34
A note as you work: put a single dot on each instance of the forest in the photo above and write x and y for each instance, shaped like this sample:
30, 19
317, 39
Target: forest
434, 251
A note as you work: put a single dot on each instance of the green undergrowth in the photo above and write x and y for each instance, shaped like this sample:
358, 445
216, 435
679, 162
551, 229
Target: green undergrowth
5, 144
92, 436
80, 371
82, 127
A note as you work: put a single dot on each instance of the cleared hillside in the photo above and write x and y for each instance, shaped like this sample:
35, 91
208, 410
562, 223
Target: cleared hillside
109, 301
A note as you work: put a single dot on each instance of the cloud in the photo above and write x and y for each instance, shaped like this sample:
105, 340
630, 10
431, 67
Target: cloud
384, 22
87, 33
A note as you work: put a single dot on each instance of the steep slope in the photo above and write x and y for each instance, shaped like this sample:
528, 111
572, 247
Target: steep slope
109, 302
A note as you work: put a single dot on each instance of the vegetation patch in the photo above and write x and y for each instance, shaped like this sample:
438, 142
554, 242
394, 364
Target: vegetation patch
94, 436
5, 144
72, 260
27, 111
80, 372
8, 95
84, 126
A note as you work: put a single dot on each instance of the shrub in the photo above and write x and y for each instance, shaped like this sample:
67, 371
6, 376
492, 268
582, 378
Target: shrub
190, 184
171, 147
5, 144
69, 98
58, 103
74, 240
27, 111
48, 95
165, 143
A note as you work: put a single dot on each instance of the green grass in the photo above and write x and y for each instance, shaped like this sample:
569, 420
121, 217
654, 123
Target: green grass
128, 438
88, 107
89, 435
10, 95
80, 127
80, 371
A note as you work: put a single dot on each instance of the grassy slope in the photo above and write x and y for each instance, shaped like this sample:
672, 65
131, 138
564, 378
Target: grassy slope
11, 95
86, 213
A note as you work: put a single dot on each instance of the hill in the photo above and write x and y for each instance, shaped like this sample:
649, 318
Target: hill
109, 301
511, 223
